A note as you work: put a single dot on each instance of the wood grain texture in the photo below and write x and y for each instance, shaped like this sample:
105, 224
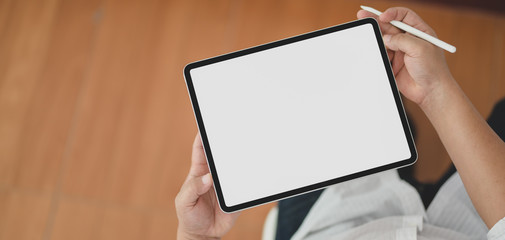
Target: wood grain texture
76, 219
52, 104
23, 47
24, 214
96, 125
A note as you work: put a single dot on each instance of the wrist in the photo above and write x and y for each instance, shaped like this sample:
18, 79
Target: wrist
182, 235
440, 96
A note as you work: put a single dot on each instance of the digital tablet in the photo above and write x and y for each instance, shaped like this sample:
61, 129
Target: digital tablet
299, 114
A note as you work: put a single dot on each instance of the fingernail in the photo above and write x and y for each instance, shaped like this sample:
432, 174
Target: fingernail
386, 38
206, 179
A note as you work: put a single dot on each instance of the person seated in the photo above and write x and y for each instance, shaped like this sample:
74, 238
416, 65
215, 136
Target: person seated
468, 202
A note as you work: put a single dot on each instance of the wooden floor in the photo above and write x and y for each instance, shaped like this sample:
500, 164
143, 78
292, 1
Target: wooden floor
95, 121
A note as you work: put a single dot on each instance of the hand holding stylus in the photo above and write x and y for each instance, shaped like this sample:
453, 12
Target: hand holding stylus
416, 32
419, 66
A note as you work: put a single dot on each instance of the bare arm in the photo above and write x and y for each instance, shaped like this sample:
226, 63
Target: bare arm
475, 149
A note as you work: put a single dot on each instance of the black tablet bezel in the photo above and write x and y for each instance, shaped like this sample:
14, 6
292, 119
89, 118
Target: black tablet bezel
316, 186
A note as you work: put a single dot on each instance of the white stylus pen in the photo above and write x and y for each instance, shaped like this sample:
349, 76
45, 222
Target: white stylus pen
416, 32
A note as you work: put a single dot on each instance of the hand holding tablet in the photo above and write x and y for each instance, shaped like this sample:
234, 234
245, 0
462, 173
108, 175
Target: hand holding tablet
299, 114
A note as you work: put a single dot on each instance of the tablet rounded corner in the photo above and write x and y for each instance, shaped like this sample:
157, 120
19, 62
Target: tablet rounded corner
187, 69
413, 157
224, 207
371, 20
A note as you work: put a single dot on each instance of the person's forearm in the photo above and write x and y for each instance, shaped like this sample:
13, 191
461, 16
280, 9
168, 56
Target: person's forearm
193, 237
475, 149
181, 235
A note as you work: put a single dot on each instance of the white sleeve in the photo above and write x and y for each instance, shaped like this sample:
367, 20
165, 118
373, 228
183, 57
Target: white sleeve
498, 231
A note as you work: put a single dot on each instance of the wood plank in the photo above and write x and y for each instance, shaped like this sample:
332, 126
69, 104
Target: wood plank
23, 45
5, 9
105, 162
139, 140
51, 107
23, 214
80, 219
163, 225
331, 13
76, 219
264, 21
121, 223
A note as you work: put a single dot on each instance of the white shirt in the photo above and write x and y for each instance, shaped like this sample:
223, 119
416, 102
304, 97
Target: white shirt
383, 206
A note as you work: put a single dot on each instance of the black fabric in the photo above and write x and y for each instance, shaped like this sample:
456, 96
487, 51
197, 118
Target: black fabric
427, 191
497, 119
293, 210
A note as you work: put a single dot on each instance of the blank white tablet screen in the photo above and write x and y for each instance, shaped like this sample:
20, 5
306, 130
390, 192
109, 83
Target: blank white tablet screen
299, 114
